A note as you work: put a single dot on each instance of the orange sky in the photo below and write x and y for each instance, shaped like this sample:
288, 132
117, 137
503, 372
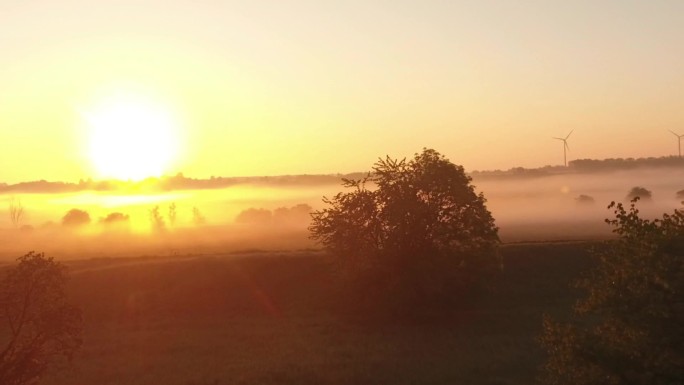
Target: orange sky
291, 87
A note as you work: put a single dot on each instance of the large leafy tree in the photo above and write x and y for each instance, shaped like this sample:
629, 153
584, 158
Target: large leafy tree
414, 229
39, 327
629, 329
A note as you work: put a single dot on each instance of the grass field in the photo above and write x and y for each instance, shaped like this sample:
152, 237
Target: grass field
272, 318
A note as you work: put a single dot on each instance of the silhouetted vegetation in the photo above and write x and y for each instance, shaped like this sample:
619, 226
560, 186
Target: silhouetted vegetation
172, 214
16, 212
641, 193
39, 326
680, 194
628, 329
585, 200
197, 218
282, 216
422, 236
75, 218
157, 220
115, 218
254, 216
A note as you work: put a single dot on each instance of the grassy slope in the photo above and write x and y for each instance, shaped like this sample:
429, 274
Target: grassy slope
270, 319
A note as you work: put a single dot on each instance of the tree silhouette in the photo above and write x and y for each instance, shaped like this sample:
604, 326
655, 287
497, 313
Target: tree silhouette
76, 218
197, 218
115, 218
16, 212
172, 214
40, 326
640, 192
419, 233
628, 329
156, 220
254, 216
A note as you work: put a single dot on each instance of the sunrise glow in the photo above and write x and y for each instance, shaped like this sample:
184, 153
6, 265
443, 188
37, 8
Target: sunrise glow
131, 138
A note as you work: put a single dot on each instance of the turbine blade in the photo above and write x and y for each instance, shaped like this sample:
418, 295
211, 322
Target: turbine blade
566, 146
558, 138
675, 134
566, 138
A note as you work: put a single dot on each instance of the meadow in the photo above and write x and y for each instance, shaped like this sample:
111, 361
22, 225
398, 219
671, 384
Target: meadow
275, 318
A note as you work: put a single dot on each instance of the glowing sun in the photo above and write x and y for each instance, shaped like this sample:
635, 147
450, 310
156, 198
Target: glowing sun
131, 138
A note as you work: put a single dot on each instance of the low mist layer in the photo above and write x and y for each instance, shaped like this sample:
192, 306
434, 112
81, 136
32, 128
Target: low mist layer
250, 217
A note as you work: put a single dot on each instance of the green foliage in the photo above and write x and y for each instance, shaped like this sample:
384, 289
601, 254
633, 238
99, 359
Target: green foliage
40, 326
419, 232
628, 329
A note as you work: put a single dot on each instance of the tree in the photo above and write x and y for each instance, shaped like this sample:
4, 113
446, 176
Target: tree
640, 192
420, 233
197, 218
76, 218
253, 216
16, 211
583, 199
172, 214
40, 327
115, 218
628, 329
157, 220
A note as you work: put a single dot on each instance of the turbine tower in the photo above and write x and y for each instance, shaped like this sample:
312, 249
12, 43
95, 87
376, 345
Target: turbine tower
679, 140
566, 148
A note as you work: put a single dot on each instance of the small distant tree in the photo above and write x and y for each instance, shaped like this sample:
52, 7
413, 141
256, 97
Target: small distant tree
197, 218
628, 329
16, 211
254, 216
39, 327
420, 234
115, 218
156, 220
680, 194
641, 193
76, 218
172, 214
298, 214
585, 200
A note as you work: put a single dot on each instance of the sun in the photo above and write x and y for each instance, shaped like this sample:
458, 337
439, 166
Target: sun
131, 138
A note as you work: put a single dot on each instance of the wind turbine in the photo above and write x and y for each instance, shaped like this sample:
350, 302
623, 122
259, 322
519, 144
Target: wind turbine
566, 147
679, 137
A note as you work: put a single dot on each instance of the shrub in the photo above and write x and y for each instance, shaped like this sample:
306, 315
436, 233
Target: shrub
75, 218
628, 329
639, 192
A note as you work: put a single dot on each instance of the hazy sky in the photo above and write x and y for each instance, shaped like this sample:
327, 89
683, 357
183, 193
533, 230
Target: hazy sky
267, 87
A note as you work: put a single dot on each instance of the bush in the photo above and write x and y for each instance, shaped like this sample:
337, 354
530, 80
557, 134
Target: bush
680, 194
585, 200
75, 218
254, 216
639, 192
628, 329
115, 218
420, 234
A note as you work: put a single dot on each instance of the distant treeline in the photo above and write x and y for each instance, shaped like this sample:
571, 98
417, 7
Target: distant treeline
172, 183
181, 182
585, 166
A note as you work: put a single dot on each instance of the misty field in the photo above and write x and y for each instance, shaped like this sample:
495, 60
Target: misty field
275, 318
